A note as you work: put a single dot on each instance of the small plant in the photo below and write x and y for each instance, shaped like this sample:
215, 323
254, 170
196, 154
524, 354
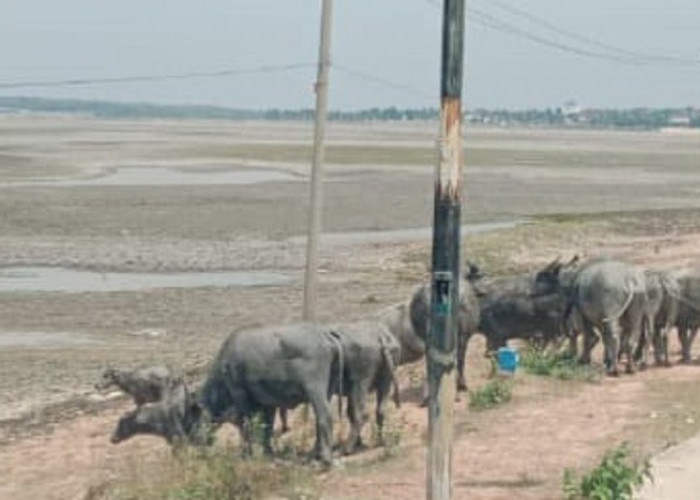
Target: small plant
539, 362
615, 478
390, 438
218, 474
493, 394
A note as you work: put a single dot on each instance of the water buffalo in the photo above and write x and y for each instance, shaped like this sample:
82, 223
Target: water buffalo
509, 309
607, 294
419, 315
661, 313
371, 354
145, 385
174, 417
259, 370
688, 318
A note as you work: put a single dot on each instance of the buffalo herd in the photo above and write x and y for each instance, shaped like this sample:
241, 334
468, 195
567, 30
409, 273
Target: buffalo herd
264, 370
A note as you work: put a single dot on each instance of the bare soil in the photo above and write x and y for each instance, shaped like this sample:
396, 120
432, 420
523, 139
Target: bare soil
53, 427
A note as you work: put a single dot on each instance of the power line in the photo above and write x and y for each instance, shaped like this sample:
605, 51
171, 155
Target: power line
484, 19
583, 38
382, 81
613, 54
157, 78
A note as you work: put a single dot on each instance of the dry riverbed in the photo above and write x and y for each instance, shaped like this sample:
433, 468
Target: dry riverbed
127, 243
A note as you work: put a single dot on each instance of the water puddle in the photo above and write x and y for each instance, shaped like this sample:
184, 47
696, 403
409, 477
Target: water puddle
50, 279
164, 176
44, 339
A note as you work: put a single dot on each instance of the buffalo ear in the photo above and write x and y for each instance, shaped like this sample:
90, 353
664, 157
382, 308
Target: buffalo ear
574, 260
474, 273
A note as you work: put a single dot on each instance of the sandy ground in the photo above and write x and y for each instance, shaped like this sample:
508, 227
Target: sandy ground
53, 428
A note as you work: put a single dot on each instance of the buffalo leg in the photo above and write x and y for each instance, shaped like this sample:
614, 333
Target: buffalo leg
684, 337
356, 415
611, 339
383, 389
268, 416
324, 426
590, 339
462, 341
283, 419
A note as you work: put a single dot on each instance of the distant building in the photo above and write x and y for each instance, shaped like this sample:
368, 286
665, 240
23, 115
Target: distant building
572, 112
679, 121
571, 109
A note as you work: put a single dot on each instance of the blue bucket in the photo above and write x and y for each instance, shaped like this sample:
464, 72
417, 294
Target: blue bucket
508, 359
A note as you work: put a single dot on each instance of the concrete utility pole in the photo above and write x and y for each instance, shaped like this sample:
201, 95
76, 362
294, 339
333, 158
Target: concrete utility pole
316, 204
446, 258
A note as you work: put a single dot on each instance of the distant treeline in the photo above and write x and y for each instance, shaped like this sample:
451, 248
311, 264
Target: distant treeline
639, 118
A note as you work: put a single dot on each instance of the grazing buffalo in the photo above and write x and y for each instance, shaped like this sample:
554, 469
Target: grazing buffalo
371, 354
510, 310
175, 417
145, 385
468, 324
606, 294
688, 318
261, 369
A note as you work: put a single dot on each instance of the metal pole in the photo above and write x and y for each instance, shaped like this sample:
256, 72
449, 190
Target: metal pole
316, 203
445, 261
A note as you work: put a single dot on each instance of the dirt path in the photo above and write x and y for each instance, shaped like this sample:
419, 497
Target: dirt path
676, 473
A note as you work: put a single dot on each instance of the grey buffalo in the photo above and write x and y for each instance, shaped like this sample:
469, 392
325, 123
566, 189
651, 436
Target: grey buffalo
688, 318
419, 314
259, 370
661, 313
175, 417
144, 385
510, 309
370, 354
608, 295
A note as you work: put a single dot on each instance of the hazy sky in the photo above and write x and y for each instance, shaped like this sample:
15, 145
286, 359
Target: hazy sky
396, 40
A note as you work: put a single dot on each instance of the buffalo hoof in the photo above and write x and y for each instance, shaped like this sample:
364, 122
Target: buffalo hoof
423, 403
352, 448
462, 385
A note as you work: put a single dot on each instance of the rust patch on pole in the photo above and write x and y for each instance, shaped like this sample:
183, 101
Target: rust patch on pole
451, 158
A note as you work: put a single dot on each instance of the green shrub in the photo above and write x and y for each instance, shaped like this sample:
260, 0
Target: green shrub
494, 393
615, 478
558, 365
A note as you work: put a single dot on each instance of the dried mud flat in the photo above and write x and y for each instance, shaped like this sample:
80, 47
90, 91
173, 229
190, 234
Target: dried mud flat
54, 429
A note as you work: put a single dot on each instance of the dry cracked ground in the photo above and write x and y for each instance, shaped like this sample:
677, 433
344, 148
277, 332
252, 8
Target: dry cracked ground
132, 242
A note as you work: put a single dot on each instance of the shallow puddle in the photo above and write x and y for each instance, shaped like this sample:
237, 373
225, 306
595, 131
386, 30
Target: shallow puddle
51, 279
165, 176
44, 339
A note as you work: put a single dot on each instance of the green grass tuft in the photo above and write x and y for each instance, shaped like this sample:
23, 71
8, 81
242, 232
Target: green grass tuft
494, 393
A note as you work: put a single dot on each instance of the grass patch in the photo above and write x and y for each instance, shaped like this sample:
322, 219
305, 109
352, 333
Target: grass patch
558, 365
615, 478
218, 474
491, 395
